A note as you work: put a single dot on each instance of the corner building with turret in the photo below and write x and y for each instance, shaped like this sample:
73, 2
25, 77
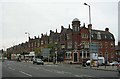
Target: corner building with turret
75, 42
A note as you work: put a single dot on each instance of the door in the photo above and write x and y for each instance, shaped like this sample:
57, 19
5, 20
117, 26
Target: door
75, 57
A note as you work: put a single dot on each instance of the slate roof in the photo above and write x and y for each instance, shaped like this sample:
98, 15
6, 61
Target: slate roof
104, 35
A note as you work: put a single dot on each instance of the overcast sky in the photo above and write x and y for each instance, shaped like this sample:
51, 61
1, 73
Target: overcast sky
41, 16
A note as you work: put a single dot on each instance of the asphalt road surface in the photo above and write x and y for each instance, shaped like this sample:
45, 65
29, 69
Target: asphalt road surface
22, 69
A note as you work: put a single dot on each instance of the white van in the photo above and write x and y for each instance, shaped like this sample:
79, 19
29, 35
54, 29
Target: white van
101, 61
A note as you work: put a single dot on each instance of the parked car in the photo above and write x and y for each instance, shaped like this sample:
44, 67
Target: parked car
88, 62
38, 61
118, 68
114, 63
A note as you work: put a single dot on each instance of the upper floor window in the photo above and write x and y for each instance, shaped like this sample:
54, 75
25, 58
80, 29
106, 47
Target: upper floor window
100, 45
78, 29
29, 44
69, 44
84, 35
98, 35
35, 44
92, 36
42, 42
68, 36
111, 37
38, 44
105, 37
32, 45
86, 44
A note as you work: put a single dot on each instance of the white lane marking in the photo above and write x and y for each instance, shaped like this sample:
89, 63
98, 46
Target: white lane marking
52, 65
11, 68
34, 67
60, 72
25, 73
83, 76
47, 70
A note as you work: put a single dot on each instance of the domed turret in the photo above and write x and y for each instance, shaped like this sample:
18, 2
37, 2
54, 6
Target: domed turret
76, 24
76, 19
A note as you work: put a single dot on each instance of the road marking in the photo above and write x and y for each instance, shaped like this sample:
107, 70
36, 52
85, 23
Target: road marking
83, 76
52, 65
34, 67
61, 72
25, 73
11, 68
47, 70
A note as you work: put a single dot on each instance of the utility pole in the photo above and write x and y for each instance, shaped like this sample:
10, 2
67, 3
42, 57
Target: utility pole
89, 31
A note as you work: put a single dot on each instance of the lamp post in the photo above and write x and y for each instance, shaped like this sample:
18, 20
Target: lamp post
56, 51
89, 31
89, 12
29, 49
2, 54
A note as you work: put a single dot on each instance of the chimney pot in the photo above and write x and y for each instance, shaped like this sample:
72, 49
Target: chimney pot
107, 29
89, 26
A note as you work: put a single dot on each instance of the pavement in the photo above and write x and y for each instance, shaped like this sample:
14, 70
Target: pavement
107, 68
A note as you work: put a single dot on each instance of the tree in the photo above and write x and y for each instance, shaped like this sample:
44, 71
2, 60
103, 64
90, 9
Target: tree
37, 51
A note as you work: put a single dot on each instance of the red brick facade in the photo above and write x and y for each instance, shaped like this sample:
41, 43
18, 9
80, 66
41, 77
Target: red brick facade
72, 43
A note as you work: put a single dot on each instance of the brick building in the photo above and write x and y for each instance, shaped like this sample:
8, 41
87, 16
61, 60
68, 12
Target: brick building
71, 43
81, 38
117, 52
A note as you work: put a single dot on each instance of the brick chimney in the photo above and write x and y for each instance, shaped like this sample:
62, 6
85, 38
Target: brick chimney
62, 27
56, 31
107, 29
69, 26
89, 26
35, 37
42, 35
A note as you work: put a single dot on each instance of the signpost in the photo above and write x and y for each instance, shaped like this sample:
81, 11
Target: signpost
93, 52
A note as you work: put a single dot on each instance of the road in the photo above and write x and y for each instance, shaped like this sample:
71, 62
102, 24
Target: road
22, 69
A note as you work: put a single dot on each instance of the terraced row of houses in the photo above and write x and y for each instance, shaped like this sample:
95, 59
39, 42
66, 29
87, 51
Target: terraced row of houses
72, 43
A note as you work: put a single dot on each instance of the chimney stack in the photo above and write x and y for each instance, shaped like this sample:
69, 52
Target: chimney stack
42, 35
69, 26
56, 30
107, 29
62, 27
35, 37
89, 26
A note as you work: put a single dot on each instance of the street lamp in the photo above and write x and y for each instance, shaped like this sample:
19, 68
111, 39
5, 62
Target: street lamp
89, 13
89, 31
89, 20
56, 51
2, 54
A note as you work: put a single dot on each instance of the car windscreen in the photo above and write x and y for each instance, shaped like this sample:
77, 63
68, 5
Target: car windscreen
38, 59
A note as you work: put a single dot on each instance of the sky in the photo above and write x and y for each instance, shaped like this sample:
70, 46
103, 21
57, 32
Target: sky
41, 16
